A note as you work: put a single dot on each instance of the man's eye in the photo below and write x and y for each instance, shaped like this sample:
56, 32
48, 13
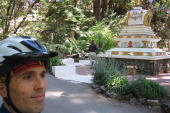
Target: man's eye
43, 75
28, 77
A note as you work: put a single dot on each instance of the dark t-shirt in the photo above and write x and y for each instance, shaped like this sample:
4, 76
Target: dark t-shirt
93, 48
3, 109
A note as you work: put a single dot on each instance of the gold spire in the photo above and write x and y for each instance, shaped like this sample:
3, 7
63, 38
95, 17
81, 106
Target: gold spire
137, 3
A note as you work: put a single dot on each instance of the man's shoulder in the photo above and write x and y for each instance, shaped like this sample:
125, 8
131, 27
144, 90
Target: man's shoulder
93, 45
3, 109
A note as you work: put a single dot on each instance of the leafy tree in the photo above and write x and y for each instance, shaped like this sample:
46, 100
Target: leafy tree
102, 35
102, 7
66, 18
10, 11
54, 22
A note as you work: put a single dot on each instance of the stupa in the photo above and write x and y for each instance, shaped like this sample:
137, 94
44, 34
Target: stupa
136, 44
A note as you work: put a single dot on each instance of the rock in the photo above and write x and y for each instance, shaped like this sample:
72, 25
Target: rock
114, 95
129, 96
94, 86
109, 93
133, 101
156, 109
165, 107
103, 89
98, 90
153, 102
143, 101
149, 107
120, 97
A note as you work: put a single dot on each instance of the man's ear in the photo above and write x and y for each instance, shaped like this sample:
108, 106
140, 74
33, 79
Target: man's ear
3, 91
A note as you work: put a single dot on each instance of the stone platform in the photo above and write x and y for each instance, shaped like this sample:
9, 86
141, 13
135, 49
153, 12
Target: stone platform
146, 67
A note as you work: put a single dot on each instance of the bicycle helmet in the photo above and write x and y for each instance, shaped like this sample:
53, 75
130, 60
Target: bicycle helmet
20, 49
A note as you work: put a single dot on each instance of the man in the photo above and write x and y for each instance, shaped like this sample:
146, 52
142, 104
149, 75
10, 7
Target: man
23, 63
92, 53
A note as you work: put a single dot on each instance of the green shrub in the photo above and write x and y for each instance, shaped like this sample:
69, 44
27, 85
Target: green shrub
118, 84
82, 45
108, 73
100, 73
147, 89
67, 47
102, 35
55, 61
106, 68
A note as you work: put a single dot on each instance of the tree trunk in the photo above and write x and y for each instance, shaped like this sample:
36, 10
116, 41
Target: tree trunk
104, 7
96, 9
8, 16
72, 36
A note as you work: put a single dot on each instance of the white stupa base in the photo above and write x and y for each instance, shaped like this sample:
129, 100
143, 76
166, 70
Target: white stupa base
136, 57
136, 53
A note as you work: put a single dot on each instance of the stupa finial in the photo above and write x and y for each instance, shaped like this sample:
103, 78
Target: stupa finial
137, 3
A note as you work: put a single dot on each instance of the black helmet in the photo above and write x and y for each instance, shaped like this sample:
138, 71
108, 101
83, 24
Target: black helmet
19, 49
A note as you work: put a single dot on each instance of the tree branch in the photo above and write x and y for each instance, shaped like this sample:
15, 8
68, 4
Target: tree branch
16, 29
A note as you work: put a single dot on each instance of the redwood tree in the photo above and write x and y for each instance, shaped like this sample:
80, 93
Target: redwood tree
96, 9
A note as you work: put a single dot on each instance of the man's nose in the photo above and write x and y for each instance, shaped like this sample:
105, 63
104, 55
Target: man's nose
40, 83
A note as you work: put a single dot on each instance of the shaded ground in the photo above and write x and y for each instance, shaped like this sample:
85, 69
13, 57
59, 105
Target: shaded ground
67, 97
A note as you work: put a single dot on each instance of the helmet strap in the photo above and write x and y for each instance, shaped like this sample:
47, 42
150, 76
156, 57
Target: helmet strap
8, 99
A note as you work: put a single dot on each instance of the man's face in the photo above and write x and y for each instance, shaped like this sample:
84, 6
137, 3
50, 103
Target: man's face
27, 90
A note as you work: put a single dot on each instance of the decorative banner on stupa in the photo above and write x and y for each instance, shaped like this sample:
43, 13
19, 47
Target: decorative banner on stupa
159, 6
135, 14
